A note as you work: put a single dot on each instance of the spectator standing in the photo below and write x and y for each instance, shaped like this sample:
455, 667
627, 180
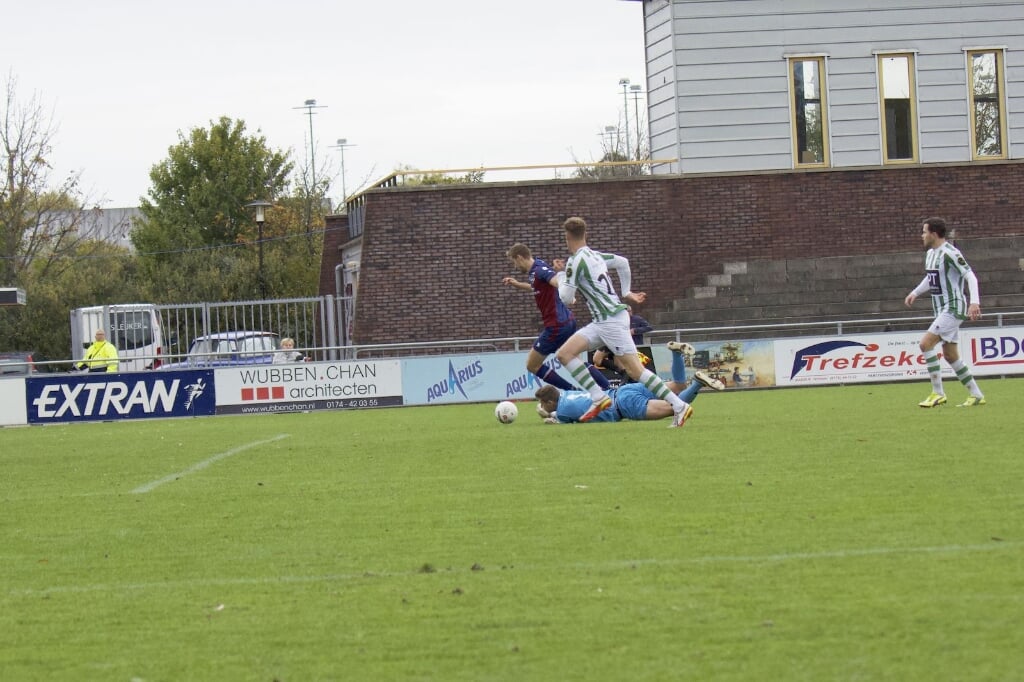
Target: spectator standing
100, 356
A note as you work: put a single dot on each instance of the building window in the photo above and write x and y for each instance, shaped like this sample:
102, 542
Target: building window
809, 107
985, 82
899, 107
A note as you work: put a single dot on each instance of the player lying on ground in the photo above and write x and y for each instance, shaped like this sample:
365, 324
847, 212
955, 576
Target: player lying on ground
629, 401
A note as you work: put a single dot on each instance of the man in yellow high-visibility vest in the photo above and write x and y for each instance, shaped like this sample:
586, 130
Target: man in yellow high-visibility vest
101, 356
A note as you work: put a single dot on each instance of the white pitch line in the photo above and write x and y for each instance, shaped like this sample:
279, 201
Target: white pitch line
205, 463
810, 556
597, 566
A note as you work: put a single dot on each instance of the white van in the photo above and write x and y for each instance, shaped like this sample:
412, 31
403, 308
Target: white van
134, 328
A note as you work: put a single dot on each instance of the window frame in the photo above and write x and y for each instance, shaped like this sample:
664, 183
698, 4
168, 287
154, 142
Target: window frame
826, 148
1000, 100
915, 142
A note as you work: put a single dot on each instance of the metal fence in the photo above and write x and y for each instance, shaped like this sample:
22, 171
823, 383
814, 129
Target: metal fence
318, 325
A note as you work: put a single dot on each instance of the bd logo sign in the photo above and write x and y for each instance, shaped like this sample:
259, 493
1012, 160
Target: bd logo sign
998, 350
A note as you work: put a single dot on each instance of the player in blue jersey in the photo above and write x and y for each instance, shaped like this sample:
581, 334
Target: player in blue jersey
629, 401
946, 274
586, 273
559, 321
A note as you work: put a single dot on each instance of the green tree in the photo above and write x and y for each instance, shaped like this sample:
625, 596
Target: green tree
198, 193
197, 240
97, 273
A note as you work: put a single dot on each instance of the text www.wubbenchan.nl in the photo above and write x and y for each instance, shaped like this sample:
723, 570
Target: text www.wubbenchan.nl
278, 407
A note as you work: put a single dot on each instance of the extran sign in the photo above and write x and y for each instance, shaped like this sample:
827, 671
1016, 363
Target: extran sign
107, 396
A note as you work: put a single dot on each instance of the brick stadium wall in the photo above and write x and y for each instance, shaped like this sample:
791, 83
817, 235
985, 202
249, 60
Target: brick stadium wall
335, 235
433, 258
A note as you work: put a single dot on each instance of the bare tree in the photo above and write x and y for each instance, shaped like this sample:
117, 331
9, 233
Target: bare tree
39, 222
614, 163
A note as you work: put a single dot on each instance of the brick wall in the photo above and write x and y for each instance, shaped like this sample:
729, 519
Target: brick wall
433, 258
335, 234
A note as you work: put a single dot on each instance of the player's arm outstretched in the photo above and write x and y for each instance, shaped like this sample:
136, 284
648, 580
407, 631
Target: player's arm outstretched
516, 284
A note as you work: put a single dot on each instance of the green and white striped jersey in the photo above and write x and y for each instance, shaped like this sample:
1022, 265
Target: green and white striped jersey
586, 272
946, 271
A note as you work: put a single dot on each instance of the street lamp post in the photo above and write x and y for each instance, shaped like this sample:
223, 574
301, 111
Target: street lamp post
624, 82
260, 206
340, 146
636, 90
309, 105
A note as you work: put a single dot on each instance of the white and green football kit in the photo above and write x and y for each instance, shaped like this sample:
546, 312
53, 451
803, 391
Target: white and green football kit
946, 273
586, 272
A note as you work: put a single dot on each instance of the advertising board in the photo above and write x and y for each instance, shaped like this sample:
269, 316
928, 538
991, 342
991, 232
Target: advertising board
305, 386
109, 396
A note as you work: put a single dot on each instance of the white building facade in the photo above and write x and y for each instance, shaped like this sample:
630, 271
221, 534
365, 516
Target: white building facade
751, 85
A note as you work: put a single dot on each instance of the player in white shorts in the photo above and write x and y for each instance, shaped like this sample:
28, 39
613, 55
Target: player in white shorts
946, 274
586, 273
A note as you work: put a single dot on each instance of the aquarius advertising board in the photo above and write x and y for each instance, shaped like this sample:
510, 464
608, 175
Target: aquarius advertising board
304, 386
107, 396
468, 378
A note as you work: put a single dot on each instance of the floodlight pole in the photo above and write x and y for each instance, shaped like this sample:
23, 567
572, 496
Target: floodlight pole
309, 105
624, 82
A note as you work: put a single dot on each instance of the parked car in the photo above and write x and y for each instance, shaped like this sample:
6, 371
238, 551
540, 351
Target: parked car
16, 363
226, 349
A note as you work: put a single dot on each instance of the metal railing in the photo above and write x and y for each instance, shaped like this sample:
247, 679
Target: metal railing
333, 351
859, 325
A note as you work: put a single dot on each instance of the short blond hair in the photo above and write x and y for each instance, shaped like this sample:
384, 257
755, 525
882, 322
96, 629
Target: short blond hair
576, 227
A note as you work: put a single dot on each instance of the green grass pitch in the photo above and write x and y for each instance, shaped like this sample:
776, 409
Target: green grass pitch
836, 533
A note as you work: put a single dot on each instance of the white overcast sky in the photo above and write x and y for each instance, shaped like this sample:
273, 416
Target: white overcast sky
442, 84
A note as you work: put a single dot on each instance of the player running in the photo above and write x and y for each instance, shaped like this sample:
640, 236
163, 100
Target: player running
586, 273
559, 321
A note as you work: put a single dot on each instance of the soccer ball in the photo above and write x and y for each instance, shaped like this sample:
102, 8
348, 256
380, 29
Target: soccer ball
506, 412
